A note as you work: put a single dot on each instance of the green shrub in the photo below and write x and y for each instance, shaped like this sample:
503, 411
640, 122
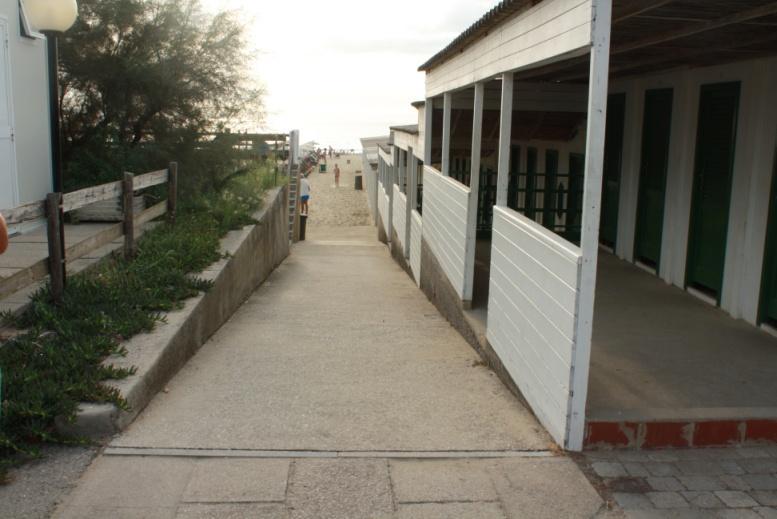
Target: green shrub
58, 361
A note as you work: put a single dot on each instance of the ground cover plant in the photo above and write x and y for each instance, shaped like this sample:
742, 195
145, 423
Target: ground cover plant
57, 361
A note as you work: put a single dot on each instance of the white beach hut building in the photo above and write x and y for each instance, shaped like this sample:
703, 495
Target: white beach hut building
599, 212
25, 150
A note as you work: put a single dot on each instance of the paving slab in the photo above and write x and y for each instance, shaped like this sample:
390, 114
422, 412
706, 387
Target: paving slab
231, 511
237, 480
436, 481
323, 489
451, 511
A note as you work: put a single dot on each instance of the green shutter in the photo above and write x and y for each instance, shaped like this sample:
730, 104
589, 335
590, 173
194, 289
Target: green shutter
715, 148
530, 200
613, 160
769, 287
549, 198
656, 130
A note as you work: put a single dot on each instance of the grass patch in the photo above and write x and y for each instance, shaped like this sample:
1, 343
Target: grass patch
58, 361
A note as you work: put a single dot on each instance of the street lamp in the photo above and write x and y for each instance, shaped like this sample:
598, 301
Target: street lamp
53, 17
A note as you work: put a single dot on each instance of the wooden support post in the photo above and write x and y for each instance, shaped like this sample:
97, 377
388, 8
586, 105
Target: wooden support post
172, 191
54, 235
446, 133
474, 191
505, 137
393, 172
589, 241
410, 193
428, 128
128, 192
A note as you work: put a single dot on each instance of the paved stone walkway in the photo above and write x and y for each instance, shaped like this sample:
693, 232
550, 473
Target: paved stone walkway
698, 483
336, 391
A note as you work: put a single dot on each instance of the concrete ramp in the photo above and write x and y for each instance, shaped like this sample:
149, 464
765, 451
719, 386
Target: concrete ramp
339, 351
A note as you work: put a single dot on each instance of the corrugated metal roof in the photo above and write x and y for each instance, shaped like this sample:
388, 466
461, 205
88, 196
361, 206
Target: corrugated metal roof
505, 9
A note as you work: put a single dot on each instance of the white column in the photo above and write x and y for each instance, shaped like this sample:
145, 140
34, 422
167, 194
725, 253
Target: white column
402, 176
428, 127
446, 133
390, 187
505, 137
589, 241
410, 191
474, 186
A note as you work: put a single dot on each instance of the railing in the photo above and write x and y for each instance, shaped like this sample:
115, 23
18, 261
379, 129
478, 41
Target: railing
552, 199
56, 205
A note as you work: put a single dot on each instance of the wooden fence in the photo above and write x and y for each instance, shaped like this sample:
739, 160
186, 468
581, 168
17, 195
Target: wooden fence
54, 207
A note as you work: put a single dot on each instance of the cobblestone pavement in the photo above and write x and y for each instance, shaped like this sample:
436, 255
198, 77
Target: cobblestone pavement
726, 483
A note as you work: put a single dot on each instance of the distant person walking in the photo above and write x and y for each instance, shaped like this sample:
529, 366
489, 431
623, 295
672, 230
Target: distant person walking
337, 175
304, 192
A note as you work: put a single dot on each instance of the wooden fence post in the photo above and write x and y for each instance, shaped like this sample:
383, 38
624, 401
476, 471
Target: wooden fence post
55, 235
172, 191
129, 214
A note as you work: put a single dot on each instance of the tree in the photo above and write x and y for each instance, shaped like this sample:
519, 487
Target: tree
152, 74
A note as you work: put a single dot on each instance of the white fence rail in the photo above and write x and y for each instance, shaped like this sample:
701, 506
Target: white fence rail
445, 224
532, 311
399, 215
416, 230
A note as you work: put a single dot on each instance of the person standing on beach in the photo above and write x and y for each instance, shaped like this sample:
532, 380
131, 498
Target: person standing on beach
304, 192
337, 175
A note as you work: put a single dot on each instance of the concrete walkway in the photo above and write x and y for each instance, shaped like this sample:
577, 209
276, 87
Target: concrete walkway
336, 391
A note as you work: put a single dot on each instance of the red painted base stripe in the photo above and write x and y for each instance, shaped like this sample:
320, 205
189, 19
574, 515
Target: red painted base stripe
658, 435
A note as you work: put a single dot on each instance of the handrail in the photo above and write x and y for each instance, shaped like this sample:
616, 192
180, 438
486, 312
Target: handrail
56, 205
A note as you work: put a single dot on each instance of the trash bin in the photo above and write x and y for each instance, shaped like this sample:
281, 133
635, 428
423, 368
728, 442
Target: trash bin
322, 167
303, 222
357, 182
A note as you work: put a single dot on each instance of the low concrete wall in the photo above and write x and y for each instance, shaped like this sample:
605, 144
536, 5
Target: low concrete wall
251, 254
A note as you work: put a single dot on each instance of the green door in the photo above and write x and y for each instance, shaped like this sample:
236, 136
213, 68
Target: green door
530, 200
549, 190
656, 128
574, 211
769, 287
613, 158
715, 139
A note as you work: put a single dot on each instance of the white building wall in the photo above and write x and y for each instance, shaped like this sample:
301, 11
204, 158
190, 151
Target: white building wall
546, 32
752, 176
29, 100
416, 231
532, 313
404, 140
445, 224
370, 182
418, 149
398, 215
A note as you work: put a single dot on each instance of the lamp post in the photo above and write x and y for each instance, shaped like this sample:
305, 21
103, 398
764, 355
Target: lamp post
52, 18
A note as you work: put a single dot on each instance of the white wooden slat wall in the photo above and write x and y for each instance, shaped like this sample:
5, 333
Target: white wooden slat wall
532, 311
445, 224
416, 229
383, 202
547, 31
398, 215
370, 182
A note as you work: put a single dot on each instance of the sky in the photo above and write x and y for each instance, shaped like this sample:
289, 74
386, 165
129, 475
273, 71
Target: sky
338, 70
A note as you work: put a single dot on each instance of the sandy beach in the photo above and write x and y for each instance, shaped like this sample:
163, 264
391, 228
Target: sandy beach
337, 206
